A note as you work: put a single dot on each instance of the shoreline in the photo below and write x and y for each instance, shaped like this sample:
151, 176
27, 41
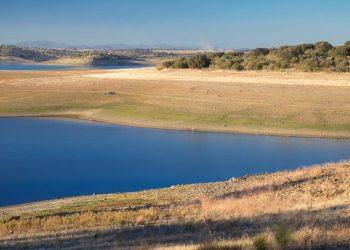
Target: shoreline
317, 195
80, 117
75, 63
168, 187
257, 103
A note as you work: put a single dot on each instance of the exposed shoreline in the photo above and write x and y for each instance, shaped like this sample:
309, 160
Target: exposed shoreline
174, 128
317, 195
288, 104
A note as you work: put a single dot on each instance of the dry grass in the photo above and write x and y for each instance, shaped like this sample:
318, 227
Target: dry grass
313, 202
283, 103
228, 76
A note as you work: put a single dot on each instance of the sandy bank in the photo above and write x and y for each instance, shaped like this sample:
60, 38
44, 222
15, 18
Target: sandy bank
262, 77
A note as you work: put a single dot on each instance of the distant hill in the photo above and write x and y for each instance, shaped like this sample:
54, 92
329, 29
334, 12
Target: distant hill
37, 55
42, 44
117, 54
73, 56
118, 46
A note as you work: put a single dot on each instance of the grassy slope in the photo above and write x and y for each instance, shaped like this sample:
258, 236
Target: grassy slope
254, 106
313, 202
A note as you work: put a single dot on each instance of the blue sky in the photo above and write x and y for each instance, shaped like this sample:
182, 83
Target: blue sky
205, 23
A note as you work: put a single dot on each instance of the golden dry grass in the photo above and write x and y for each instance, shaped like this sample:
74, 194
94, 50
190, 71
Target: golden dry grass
283, 103
313, 202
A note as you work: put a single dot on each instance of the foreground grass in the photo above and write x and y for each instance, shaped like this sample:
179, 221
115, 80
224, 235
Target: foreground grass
313, 203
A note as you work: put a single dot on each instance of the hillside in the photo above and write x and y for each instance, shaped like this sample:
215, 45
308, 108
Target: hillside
16, 54
313, 204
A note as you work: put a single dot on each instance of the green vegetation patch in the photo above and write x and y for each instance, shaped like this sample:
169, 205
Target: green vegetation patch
247, 117
321, 56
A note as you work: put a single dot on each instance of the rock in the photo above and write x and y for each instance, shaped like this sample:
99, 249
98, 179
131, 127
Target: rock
110, 93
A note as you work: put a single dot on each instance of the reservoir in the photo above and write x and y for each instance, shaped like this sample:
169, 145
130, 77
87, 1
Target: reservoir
44, 158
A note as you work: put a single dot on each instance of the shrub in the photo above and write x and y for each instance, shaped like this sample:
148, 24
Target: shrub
282, 236
216, 246
181, 63
237, 66
287, 53
259, 52
342, 65
260, 243
198, 61
322, 48
340, 51
258, 63
304, 47
213, 55
168, 64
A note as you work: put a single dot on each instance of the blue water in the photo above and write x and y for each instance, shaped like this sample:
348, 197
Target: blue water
49, 158
13, 66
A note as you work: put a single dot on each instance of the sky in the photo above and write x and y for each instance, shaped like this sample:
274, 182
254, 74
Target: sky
189, 23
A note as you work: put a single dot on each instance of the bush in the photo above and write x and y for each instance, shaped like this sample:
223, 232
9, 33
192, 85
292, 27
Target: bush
260, 243
259, 52
237, 66
282, 236
198, 61
258, 63
168, 64
181, 63
304, 47
310, 64
342, 65
216, 246
340, 51
322, 48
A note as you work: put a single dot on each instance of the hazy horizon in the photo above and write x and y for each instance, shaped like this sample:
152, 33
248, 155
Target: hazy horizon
194, 23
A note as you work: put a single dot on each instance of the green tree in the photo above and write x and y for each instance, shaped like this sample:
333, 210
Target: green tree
198, 61
259, 52
168, 64
181, 63
322, 48
342, 64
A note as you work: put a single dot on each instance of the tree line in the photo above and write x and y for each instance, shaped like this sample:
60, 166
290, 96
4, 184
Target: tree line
321, 56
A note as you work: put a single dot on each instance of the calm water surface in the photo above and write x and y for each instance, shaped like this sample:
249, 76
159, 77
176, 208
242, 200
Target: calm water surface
13, 66
49, 158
